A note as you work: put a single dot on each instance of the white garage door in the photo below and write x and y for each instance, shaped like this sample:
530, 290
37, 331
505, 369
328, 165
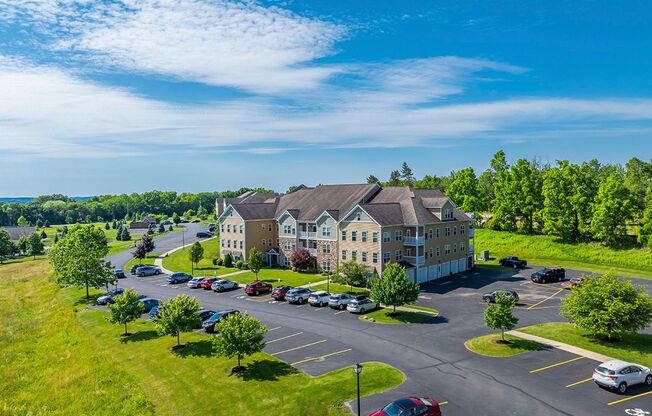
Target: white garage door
453, 266
410, 274
423, 275
432, 272
445, 269
462, 265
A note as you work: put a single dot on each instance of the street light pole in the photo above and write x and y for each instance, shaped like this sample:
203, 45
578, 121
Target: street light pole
358, 369
183, 237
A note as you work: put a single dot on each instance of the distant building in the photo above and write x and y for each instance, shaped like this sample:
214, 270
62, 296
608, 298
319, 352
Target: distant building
16, 232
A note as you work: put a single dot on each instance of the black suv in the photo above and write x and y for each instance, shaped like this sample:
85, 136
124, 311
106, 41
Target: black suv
549, 274
513, 261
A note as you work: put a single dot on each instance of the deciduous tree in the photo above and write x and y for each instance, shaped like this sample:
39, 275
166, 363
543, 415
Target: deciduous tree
125, 308
195, 254
35, 245
255, 261
180, 314
302, 259
353, 274
240, 336
393, 288
7, 247
499, 315
612, 209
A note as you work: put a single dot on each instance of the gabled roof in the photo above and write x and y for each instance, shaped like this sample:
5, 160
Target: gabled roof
388, 213
256, 211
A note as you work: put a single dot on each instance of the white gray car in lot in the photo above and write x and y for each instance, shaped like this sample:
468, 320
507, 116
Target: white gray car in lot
340, 300
361, 306
223, 285
620, 375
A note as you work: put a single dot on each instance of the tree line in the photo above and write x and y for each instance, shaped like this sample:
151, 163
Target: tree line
54, 209
574, 202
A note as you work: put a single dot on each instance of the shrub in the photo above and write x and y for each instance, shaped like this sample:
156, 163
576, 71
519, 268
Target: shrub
219, 261
239, 264
228, 261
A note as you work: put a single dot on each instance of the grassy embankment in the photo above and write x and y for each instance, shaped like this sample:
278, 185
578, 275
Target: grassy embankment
60, 359
545, 250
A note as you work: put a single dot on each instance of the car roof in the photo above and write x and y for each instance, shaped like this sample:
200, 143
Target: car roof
615, 364
406, 403
320, 293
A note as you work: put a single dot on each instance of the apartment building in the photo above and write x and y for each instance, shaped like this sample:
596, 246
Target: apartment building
420, 229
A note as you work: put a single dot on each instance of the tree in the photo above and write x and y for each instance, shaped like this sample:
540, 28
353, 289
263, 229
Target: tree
406, 174
189, 214
499, 315
180, 314
255, 261
464, 190
353, 274
394, 288
608, 307
43, 235
611, 210
23, 244
78, 258
107, 226
302, 259
34, 245
228, 260
170, 228
22, 222
240, 336
7, 247
195, 254
114, 225
394, 178
125, 309
645, 231
161, 228
148, 243
372, 179
176, 219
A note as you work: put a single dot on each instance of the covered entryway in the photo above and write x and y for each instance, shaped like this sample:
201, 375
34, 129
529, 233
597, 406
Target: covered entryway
271, 257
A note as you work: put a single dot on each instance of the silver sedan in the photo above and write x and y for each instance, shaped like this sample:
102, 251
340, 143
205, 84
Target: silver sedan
222, 285
361, 306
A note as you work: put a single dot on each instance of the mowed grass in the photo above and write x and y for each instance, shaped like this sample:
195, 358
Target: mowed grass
338, 288
279, 277
387, 316
546, 250
179, 261
489, 346
61, 358
149, 259
635, 348
49, 364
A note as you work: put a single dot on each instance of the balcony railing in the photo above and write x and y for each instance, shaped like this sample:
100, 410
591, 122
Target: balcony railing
307, 234
413, 241
312, 251
416, 260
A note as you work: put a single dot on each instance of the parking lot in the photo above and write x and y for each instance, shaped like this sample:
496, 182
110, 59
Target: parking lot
318, 340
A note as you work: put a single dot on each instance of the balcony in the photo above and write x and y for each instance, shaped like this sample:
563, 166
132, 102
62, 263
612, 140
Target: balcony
308, 235
312, 251
415, 260
413, 241
471, 232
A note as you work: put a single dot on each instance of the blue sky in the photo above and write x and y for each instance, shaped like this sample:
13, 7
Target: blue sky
197, 95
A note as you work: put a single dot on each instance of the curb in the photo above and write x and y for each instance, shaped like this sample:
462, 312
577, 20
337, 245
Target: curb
561, 346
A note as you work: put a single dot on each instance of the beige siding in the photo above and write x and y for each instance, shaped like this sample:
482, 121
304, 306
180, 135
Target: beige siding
359, 246
232, 234
258, 230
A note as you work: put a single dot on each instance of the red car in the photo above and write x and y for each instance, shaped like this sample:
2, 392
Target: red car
279, 292
413, 406
207, 282
257, 287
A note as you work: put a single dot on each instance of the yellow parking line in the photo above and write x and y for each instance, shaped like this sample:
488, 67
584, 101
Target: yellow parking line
548, 298
282, 338
629, 398
579, 382
299, 347
259, 299
320, 357
442, 403
555, 365
337, 313
545, 307
318, 309
300, 306
274, 329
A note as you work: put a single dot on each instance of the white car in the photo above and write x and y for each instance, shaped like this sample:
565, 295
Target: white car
222, 285
194, 283
319, 298
361, 306
620, 375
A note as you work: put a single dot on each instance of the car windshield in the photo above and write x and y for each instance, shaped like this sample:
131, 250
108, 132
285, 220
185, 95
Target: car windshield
605, 370
392, 410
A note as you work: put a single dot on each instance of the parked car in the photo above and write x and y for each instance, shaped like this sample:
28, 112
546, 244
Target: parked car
179, 277
209, 324
340, 300
279, 292
109, 297
361, 306
513, 261
258, 287
620, 375
195, 221
204, 234
491, 297
222, 285
148, 303
194, 283
211, 228
153, 313
148, 271
204, 314
298, 295
119, 273
319, 298
573, 281
549, 274
207, 283
135, 267
413, 406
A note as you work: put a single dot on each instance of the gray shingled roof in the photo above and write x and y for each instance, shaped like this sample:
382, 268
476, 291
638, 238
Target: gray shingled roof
251, 211
310, 203
386, 213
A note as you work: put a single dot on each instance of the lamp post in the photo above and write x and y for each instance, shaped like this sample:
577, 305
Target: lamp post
183, 237
358, 369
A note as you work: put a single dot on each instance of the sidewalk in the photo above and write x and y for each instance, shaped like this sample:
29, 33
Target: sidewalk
561, 346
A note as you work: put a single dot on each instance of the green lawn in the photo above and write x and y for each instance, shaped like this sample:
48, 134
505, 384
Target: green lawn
147, 260
337, 288
279, 277
634, 348
179, 262
488, 345
545, 250
386, 316
423, 308
57, 361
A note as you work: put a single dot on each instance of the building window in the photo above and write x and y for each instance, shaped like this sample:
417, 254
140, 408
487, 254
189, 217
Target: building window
228, 243
408, 252
269, 227
287, 229
326, 248
399, 235
241, 244
222, 243
448, 214
374, 237
364, 256
357, 216
354, 236
437, 232
264, 242
430, 252
455, 248
278, 240
462, 246
437, 251
399, 255
462, 229
241, 228
364, 236
447, 249
222, 227
386, 236
343, 254
326, 231
228, 228
430, 233
287, 245
354, 255
374, 258
343, 235
447, 232
269, 242
455, 230
326, 265
263, 226
386, 257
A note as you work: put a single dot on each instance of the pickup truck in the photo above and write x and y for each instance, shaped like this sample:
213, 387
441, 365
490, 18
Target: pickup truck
548, 274
513, 261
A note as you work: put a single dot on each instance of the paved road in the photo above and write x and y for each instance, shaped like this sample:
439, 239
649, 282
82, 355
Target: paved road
166, 242
432, 355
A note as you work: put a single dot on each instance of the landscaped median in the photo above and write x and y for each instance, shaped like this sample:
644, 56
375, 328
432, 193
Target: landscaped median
403, 315
493, 346
60, 361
